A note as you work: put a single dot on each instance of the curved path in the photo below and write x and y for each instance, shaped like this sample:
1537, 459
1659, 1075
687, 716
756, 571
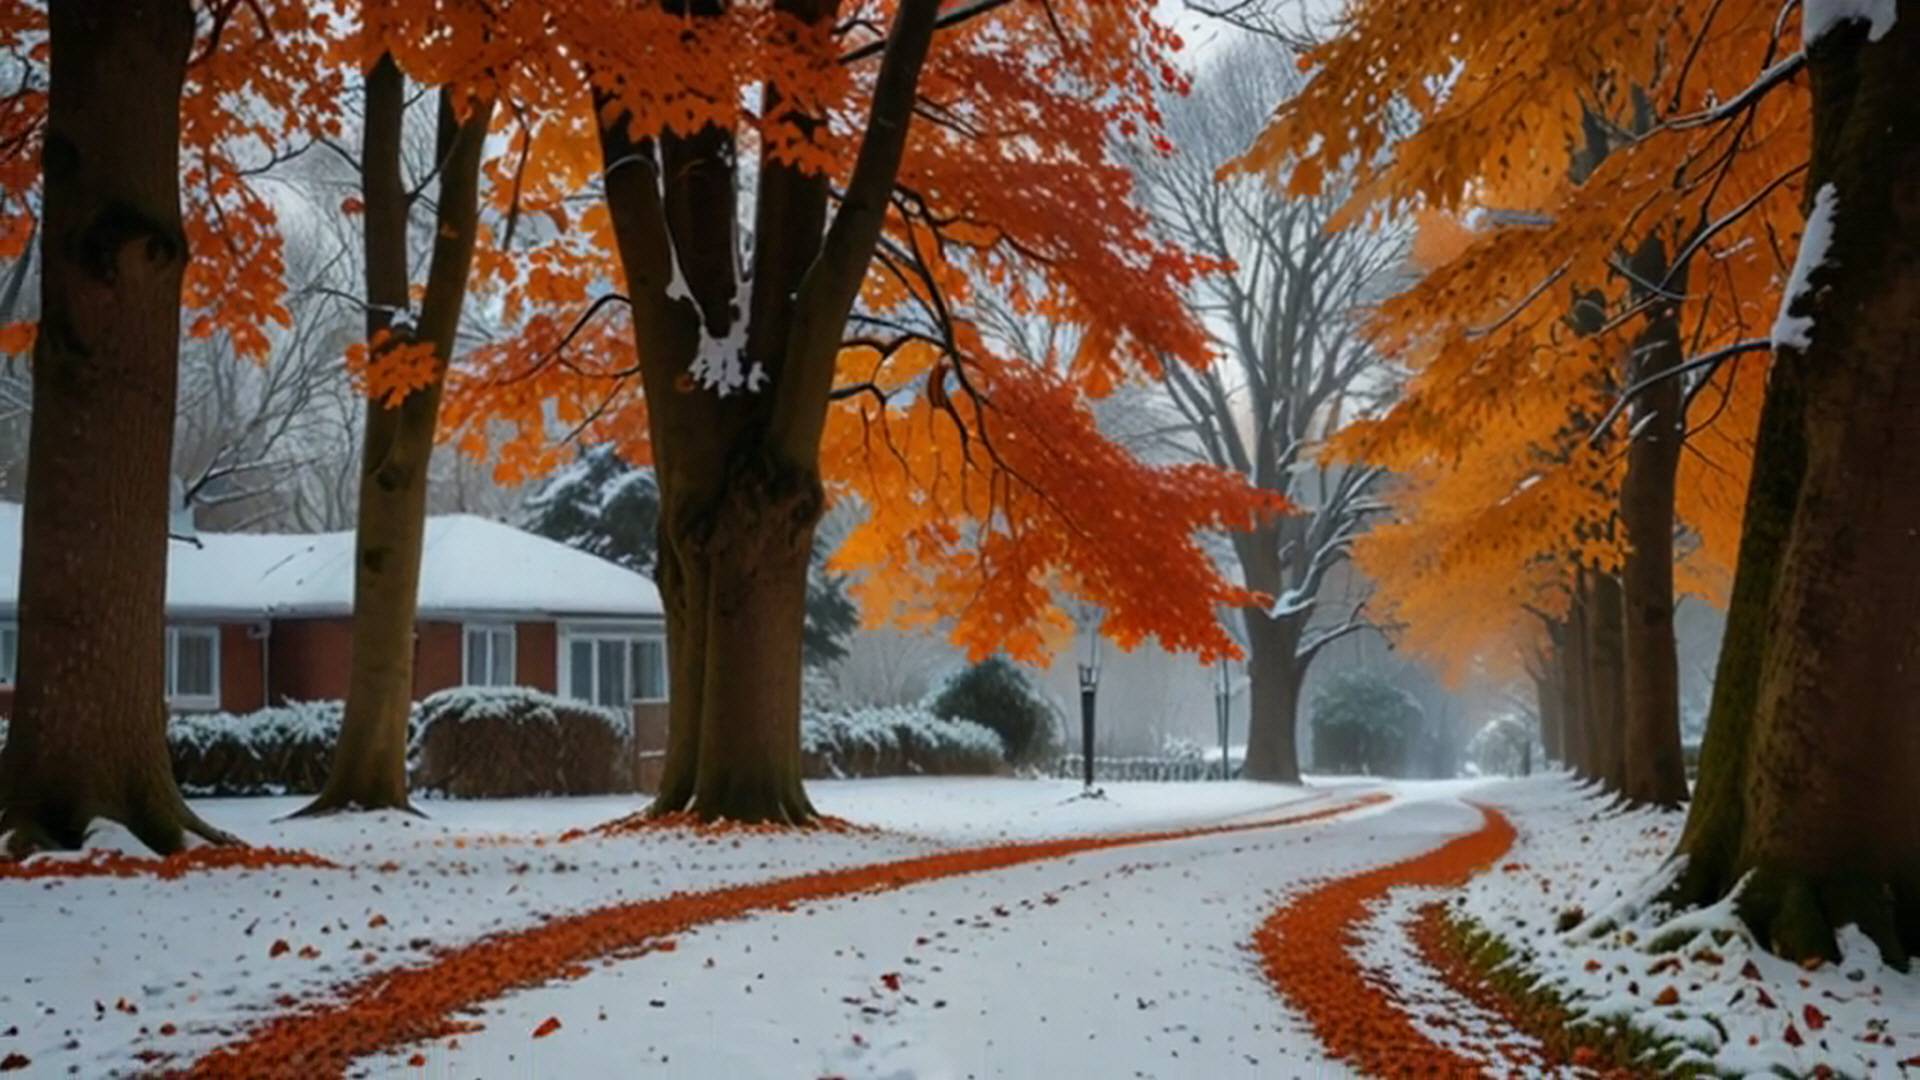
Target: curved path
1308, 949
401, 1010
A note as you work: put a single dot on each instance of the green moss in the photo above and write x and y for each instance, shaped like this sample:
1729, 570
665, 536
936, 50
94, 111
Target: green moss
1547, 1016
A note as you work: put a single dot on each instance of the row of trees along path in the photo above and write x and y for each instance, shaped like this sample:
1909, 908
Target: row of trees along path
1616, 349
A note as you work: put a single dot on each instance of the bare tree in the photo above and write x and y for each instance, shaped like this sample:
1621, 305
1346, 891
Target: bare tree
1294, 368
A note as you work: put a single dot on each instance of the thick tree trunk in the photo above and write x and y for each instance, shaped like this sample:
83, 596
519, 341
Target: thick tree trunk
1607, 680
1276, 672
1807, 783
369, 768
88, 736
1653, 769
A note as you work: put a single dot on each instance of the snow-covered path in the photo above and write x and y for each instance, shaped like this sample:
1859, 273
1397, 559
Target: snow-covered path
977, 928
1125, 962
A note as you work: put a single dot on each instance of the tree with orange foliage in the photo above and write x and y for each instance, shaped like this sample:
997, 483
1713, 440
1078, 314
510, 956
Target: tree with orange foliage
908, 156
1288, 302
1805, 793
403, 364
113, 98
1655, 193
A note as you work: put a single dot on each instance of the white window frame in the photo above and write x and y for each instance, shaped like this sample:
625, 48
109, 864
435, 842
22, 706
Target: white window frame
210, 701
490, 632
9, 658
628, 634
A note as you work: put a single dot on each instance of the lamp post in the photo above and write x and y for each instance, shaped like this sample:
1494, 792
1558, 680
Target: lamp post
1222, 708
1089, 685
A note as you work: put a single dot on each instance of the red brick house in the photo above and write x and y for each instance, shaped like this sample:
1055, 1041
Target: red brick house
258, 619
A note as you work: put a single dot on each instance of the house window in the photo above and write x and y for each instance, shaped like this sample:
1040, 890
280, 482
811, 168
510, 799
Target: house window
193, 667
615, 668
9, 653
489, 656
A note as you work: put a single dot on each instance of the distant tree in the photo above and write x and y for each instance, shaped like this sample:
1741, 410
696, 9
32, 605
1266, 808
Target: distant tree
1363, 724
1286, 304
605, 506
1503, 747
996, 693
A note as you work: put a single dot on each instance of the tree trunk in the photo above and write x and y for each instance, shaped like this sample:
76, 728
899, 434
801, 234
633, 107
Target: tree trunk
1549, 703
88, 738
1575, 713
1807, 783
1653, 769
369, 769
738, 467
1276, 672
1607, 682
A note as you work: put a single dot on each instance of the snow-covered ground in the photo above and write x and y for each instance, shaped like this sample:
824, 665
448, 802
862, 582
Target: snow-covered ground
1743, 1010
99, 970
1125, 961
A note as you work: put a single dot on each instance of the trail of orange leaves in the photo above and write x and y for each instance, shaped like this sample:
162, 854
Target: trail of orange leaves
173, 867
395, 1008
1307, 948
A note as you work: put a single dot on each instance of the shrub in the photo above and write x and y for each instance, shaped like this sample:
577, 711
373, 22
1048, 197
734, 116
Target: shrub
284, 750
895, 741
509, 742
998, 695
1503, 747
1363, 724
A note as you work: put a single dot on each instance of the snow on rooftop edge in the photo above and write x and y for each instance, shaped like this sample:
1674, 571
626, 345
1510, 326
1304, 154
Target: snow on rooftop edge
471, 566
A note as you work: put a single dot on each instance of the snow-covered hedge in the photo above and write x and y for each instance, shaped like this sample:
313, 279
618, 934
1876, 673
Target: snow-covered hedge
505, 742
895, 741
276, 751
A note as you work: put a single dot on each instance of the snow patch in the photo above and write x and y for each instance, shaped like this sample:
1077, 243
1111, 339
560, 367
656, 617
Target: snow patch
1821, 16
1791, 330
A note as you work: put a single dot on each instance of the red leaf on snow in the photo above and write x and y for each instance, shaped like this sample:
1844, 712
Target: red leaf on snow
892, 980
308, 952
376, 922
1669, 996
418, 1061
1793, 1036
1814, 1017
547, 1027
1749, 971
1765, 999
1911, 1063
14, 1061
279, 948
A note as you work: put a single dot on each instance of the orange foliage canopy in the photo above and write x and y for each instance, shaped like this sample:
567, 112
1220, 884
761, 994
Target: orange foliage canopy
986, 482
259, 86
1507, 486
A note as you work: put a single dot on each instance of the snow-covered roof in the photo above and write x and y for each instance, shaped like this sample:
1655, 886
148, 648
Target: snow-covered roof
471, 566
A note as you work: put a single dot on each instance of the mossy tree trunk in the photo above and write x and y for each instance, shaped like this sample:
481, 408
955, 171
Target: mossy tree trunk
1806, 789
369, 768
88, 735
739, 471
1652, 768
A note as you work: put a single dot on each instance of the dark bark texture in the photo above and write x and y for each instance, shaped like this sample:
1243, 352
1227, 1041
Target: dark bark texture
88, 736
1807, 788
1653, 769
738, 472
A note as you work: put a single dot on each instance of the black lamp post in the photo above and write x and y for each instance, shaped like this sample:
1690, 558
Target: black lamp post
1089, 685
1222, 708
